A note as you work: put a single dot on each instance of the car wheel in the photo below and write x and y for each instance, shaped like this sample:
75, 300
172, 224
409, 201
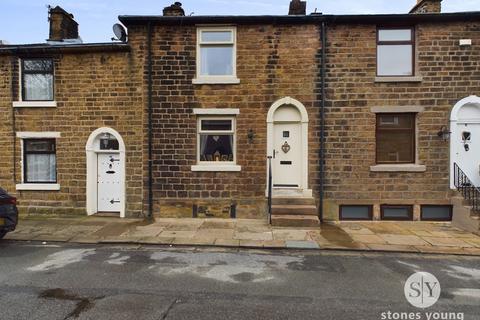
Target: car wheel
2, 234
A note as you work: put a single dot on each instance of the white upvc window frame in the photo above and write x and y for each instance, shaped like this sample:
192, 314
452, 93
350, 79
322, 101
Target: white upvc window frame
223, 79
20, 103
36, 186
216, 114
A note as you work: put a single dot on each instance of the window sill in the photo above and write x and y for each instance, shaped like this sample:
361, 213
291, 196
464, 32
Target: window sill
398, 168
38, 187
215, 80
216, 168
399, 79
34, 104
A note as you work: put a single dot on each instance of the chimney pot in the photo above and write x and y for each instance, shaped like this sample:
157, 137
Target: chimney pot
174, 10
297, 7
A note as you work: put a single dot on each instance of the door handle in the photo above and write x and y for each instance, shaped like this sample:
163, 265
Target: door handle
274, 153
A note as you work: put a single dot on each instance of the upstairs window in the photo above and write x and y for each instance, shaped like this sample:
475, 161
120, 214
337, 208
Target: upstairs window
395, 138
395, 52
216, 140
37, 80
216, 54
39, 161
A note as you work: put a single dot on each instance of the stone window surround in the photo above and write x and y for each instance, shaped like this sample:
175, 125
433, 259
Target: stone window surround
30, 104
36, 186
232, 79
208, 167
409, 167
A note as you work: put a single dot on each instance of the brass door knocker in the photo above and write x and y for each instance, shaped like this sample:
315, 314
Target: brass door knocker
286, 147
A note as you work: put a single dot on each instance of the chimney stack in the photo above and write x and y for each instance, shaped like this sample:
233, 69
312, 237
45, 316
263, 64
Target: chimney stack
174, 10
62, 25
427, 6
297, 7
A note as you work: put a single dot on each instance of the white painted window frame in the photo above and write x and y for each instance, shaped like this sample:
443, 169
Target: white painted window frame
226, 79
36, 186
217, 114
31, 104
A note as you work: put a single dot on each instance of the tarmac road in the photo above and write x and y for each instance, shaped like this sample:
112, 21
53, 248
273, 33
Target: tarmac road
131, 282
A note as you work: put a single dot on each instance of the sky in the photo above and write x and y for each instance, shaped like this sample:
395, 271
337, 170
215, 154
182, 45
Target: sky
25, 21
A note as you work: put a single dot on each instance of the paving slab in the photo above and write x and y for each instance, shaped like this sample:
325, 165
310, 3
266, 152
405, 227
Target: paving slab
282, 234
256, 236
177, 234
447, 242
368, 238
227, 242
404, 240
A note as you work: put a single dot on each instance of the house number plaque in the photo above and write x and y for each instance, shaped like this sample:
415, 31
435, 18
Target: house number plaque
286, 147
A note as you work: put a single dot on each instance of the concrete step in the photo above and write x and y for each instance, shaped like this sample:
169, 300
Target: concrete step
294, 209
293, 201
295, 221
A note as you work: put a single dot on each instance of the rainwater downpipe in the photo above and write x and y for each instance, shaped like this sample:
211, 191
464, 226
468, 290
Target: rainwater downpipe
322, 120
150, 133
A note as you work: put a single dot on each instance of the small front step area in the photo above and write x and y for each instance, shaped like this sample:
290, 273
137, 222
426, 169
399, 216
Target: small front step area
294, 212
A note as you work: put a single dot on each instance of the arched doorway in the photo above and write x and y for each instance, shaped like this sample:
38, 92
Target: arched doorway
287, 143
105, 172
465, 139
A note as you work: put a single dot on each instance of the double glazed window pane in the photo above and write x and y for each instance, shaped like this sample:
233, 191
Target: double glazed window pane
41, 168
216, 60
395, 35
38, 87
217, 36
40, 161
37, 79
396, 138
216, 147
395, 60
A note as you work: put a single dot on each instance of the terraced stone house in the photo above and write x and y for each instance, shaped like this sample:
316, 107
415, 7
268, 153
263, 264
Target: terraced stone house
328, 117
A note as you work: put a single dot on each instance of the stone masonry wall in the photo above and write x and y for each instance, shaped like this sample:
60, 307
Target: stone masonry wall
92, 90
450, 72
272, 62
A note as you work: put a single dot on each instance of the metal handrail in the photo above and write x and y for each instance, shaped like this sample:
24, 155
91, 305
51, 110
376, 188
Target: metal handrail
464, 185
270, 185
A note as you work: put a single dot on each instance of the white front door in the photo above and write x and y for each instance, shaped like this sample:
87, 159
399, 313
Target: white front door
467, 147
109, 182
287, 158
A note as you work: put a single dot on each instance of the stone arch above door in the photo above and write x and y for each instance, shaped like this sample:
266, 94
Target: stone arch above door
92, 150
285, 102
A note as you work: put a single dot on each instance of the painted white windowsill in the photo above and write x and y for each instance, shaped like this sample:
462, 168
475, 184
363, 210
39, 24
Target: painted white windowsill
398, 168
217, 168
34, 104
216, 80
399, 79
38, 187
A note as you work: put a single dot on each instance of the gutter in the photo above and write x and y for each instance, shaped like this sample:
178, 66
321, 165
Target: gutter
322, 120
303, 19
59, 49
150, 132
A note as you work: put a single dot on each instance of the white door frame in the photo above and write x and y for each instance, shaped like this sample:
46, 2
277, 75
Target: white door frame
454, 120
303, 188
92, 151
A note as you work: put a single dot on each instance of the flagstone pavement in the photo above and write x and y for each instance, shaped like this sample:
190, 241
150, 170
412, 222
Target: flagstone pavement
419, 237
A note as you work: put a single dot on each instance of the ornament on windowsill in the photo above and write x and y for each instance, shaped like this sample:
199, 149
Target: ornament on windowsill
216, 156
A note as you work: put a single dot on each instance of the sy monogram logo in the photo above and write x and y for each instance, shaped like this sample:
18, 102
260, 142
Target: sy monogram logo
422, 290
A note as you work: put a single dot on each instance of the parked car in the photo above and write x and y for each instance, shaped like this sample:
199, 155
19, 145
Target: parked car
8, 213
